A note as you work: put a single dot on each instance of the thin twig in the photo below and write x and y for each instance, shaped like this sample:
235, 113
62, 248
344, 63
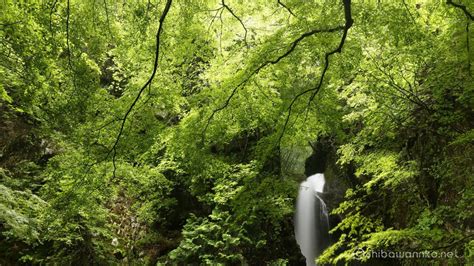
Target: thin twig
51, 11
468, 46
408, 11
214, 17
69, 52
68, 13
107, 19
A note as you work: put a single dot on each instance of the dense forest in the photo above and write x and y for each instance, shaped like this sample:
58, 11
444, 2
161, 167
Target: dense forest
177, 132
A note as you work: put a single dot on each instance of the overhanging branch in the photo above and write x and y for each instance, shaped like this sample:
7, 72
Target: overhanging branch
113, 150
462, 7
287, 8
240, 21
293, 45
348, 24
469, 17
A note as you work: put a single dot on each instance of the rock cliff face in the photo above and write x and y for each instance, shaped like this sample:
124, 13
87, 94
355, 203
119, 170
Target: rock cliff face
321, 157
17, 139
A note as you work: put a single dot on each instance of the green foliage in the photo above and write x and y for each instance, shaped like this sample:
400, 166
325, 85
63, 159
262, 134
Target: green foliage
97, 169
214, 241
19, 211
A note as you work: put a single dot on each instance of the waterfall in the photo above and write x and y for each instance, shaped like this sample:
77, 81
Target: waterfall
312, 223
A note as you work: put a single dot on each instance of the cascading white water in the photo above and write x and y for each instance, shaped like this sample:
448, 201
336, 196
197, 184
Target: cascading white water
312, 223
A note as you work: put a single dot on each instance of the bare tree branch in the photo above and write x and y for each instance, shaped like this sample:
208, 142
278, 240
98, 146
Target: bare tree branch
348, 24
462, 7
287, 8
240, 21
113, 150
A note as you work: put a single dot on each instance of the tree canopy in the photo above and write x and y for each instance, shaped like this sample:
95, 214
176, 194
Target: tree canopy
174, 132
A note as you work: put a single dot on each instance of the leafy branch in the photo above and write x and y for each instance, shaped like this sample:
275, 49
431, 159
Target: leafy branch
236, 17
287, 8
348, 24
107, 18
462, 7
10, 23
469, 17
51, 11
293, 45
113, 150
68, 46
68, 14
